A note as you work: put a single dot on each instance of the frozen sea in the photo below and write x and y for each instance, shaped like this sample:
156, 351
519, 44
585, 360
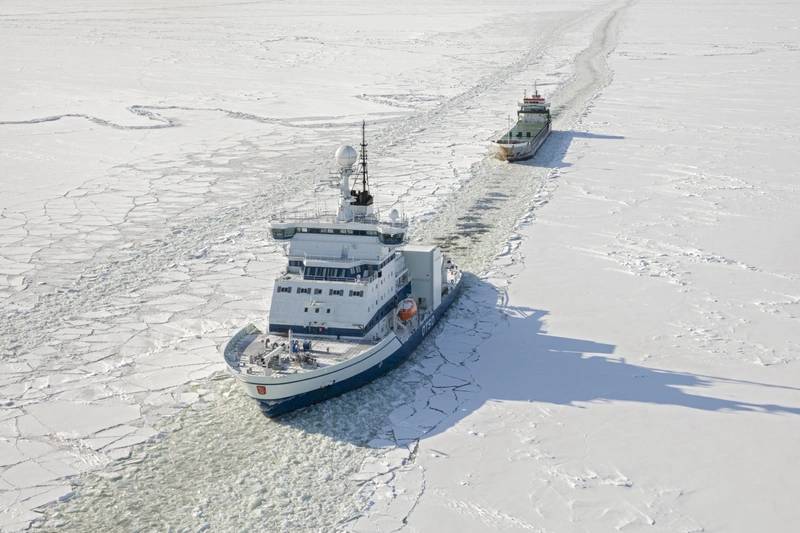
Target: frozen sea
625, 356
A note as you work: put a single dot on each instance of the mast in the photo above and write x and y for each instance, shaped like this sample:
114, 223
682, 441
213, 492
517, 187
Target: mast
362, 197
363, 156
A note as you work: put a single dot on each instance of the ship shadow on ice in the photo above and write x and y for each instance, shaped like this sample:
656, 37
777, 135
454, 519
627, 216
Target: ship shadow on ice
485, 351
533, 366
522, 362
552, 152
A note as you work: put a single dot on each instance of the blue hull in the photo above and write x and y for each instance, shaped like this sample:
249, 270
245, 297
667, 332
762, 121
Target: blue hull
279, 407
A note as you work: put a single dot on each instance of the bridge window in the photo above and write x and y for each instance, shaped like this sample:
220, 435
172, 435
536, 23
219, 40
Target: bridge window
344, 274
303, 290
285, 289
317, 291
357, 293
336, 292
282, 233
387, 238
387, 260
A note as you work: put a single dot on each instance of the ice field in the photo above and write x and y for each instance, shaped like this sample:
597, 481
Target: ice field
624, 357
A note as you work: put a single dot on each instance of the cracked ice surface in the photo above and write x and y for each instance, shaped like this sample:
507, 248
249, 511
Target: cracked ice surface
642, 375
275, 469
122, 280
135, 200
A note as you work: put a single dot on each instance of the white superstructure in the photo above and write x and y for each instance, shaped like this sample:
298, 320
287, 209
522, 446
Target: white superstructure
345, 273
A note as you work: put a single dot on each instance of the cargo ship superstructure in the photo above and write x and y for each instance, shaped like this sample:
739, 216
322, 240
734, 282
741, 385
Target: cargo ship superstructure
354, 301
524, 139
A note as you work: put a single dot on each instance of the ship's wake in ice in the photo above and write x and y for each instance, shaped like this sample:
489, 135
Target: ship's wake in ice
223, 465
220, 463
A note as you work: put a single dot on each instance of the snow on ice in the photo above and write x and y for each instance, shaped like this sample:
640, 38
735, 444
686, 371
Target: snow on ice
624, 358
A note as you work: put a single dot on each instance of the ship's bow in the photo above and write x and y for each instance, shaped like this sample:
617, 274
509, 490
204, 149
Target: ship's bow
503, 152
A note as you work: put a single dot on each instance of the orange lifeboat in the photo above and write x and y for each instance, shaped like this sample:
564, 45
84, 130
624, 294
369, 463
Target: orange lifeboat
408, 308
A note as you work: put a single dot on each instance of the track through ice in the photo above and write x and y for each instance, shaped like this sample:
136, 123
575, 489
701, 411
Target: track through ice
348, 431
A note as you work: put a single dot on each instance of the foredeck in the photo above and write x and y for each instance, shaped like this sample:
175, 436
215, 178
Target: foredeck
522, 132
259, 354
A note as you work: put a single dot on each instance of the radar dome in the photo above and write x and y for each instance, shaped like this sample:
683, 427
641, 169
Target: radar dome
346, 156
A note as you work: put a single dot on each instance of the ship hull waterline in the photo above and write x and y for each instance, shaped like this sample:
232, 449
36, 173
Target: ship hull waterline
332, 387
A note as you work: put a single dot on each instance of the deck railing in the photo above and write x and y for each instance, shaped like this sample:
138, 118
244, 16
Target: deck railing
331, 218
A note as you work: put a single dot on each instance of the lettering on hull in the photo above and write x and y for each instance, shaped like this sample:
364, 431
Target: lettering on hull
428, 324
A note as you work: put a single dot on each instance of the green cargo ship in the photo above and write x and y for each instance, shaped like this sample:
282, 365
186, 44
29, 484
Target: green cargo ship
523, 140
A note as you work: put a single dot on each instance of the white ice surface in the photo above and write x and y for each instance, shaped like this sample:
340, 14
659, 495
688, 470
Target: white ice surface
144, 148
642, 372
627, 362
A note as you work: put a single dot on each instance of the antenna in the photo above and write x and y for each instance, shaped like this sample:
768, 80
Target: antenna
536, 87
363, 197
363, 156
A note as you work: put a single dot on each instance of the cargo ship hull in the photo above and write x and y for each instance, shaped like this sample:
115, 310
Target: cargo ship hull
519, 150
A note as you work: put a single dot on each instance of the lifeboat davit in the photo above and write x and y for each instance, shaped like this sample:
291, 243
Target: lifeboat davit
408, 308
